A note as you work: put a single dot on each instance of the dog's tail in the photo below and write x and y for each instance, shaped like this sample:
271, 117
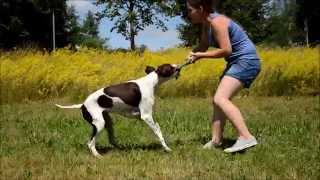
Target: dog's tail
75, 106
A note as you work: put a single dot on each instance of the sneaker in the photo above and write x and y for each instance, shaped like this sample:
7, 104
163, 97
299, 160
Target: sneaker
242, 144
211, 145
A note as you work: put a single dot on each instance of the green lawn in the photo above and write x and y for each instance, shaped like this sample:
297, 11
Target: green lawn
39, 141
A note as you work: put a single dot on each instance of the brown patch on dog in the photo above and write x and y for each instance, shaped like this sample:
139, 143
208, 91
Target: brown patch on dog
105, 102
128, 92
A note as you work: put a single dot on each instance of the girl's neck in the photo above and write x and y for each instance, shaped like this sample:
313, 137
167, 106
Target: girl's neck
207, 19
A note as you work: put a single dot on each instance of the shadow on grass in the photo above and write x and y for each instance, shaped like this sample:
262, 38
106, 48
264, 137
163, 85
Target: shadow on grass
129, 147
227, 142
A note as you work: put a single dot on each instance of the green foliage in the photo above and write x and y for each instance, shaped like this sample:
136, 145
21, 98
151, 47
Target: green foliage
130, 17
189, 34
25, 22
93, 42
30, 22
265, 21
87, 33
250, 14
90, 25
73, 27
307, 20
282, 26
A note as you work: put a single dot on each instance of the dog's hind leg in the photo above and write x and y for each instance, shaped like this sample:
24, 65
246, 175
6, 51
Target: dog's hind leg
97, 121
109, 127
97, 124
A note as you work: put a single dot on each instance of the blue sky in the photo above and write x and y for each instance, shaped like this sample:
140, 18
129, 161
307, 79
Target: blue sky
154, 38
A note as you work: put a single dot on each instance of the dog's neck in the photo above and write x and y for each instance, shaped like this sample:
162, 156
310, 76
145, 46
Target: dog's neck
151, 79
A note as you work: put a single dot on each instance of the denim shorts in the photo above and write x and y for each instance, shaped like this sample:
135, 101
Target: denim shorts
245, 70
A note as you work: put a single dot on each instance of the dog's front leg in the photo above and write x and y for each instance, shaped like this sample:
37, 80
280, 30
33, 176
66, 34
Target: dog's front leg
147, 117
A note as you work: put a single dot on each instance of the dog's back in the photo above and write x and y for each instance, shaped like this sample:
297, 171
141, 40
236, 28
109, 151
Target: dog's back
123, 99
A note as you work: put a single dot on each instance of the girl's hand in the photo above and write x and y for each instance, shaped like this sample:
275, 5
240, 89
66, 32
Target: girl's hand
195, 56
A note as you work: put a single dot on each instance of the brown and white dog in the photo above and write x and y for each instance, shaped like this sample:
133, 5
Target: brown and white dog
132, 99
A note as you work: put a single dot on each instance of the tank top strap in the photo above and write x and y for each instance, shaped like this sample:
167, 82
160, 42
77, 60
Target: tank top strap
214, 15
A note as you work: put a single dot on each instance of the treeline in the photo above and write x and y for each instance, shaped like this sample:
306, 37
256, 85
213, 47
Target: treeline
268, 22
30, 23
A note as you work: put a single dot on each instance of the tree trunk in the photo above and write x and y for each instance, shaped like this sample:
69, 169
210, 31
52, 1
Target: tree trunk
53, 32
306, 30
132, 42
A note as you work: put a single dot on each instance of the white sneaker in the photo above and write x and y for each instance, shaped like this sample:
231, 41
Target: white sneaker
211, 145
242, 144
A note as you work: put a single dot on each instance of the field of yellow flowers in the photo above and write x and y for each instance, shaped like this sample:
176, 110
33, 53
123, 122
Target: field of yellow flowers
34, 75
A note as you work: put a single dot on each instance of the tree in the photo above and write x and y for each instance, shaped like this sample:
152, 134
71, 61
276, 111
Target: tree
132, 16
85, 34
308, 15
250, 14
189, 34
90, 25
89, 32
294, 22
29, 21
281, 24
73, 27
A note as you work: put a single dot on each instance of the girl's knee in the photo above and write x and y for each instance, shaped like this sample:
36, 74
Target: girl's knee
219, 100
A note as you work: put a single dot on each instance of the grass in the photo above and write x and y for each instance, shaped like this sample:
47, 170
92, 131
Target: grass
39, 141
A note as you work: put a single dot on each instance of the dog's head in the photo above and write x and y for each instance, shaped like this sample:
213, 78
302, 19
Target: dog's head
164, 71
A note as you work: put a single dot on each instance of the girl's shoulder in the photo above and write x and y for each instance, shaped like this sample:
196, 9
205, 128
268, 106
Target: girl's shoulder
216, 20
216, 15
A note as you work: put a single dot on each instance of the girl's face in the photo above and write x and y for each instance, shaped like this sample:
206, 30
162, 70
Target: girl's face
195, 15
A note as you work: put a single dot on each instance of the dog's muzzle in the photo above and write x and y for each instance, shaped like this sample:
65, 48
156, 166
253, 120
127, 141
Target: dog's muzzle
178, 69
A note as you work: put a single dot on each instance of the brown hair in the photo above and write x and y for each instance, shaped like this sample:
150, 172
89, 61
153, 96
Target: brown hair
206, 4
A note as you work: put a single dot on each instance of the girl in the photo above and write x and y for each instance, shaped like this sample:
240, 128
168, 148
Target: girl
243, 66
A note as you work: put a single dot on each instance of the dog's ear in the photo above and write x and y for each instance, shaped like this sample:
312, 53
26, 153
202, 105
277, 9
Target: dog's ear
149, 69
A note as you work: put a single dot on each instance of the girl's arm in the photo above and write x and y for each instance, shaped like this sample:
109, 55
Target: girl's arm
221, 34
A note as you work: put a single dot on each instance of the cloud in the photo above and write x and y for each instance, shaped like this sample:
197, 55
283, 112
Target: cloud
82, 7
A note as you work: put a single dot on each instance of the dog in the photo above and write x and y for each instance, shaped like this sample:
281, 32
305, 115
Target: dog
133, 99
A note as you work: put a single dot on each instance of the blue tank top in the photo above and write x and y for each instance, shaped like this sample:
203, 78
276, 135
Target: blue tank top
242, 46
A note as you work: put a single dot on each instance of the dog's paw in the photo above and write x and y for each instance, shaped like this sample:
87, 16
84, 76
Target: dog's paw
167, 149
98, 156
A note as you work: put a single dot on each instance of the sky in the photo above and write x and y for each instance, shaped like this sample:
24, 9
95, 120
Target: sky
152, 37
